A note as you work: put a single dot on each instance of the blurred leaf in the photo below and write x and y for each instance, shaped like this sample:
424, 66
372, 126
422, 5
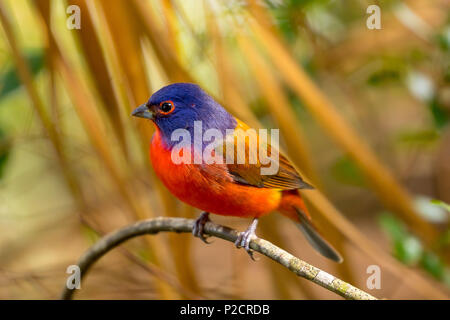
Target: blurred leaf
420, 85
392, 226
392, 70
290, 15
325, 23
446, 277
417, 55
144, 254
384, 76
429, 211
408, 250
418, 137
9, 81
346, 171
433, 264
90, 234
446, 74
440, 115
441, 204
443, 39
5, 149
3, 160
444, 240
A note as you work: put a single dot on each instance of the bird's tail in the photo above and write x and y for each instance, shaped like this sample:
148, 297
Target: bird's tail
293, 207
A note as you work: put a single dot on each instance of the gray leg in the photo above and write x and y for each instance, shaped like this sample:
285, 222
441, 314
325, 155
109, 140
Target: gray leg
199, 226
244, 238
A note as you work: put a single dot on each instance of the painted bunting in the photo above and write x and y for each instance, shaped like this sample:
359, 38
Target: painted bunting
233, 184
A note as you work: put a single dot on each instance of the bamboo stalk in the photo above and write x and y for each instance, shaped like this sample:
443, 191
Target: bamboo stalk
280, 109
49, 128
93, 54
131, 60
93, 125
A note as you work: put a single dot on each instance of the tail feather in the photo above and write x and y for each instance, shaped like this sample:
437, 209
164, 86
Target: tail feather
293, 207
315, 238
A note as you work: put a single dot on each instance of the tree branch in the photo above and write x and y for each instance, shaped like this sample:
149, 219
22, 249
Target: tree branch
153, 226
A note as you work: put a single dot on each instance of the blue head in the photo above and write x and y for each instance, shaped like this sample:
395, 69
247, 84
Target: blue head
178, 105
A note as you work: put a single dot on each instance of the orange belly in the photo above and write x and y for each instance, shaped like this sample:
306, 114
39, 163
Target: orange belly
214, 193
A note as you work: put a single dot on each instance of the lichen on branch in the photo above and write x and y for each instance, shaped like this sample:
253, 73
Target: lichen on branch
163, 224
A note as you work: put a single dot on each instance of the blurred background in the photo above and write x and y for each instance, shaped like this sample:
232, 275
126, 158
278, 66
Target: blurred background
364, 113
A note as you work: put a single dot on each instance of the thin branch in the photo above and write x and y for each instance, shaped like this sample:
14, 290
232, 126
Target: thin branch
153, 226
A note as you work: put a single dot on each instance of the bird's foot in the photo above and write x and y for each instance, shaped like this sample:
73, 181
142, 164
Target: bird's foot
244, 238
199, 226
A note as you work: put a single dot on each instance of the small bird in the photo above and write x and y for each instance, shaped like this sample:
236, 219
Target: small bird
237, 189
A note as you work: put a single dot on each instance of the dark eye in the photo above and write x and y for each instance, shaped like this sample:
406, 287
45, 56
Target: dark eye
166, 107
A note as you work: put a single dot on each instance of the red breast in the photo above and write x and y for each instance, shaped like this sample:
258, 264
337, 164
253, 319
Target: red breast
210, 190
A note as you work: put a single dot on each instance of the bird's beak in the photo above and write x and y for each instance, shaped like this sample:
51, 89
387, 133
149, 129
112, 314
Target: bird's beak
142, 112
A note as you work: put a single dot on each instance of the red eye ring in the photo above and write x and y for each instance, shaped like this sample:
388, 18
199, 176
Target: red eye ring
164, 104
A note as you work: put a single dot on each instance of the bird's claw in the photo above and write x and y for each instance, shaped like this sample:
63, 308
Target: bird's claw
244, 238
199, 226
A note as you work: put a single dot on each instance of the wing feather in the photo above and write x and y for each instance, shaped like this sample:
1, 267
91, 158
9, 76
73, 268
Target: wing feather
247, 168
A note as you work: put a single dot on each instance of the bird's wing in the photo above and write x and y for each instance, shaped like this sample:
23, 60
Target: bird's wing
266, 168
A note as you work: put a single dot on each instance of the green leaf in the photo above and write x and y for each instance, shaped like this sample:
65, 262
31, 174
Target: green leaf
384, 76
5, 149
433, 264
289, 15
444, 239
441, 204
392, 70
91, 235
441, 117
446, 277
443, 39
345, 171
144, 254
406, 247
4, 155
430, 211
9, 80
409, 250
418, 137
392, 226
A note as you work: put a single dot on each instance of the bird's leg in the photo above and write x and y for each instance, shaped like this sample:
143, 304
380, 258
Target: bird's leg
199, 226
244, 238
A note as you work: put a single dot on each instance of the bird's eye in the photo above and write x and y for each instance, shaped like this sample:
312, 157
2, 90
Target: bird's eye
166, 107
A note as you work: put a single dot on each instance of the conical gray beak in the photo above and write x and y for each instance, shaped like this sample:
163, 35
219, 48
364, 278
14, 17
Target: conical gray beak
142, 112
